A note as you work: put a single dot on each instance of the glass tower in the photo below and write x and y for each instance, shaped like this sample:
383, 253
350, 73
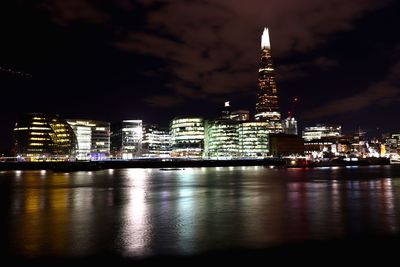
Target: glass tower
267, 108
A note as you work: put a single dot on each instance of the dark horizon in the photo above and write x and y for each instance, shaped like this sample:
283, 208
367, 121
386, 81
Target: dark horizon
133, 60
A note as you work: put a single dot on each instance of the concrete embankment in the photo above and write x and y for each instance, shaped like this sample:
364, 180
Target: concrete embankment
114, 164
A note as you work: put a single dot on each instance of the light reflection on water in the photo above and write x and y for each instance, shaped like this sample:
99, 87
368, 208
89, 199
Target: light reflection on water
141, 212
135, 226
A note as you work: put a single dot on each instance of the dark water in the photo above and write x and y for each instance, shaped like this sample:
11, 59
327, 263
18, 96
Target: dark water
147, 212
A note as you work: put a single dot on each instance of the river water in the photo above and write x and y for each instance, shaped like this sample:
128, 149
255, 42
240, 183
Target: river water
148, 212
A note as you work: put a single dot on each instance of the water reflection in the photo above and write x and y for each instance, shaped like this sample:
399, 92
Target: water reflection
135, 232
139, 212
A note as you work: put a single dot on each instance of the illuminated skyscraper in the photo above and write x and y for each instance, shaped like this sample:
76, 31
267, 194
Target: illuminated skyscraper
267, 108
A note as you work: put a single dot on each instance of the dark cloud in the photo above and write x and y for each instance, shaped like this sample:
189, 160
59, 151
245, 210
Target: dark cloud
211, 48
163, 101
381, 93
301, 69
65, 12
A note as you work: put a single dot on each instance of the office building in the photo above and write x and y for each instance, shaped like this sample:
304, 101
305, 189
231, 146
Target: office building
126, 139
240, 115
281, 145
187, 137
44, 137
321, 130
253, 139
289, 126
222, 139
93, 139
156, 142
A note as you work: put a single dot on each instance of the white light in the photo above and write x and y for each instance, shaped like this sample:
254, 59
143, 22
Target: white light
265, 43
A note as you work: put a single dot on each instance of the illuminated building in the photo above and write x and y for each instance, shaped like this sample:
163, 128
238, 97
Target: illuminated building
391, 145
187, 137
225, 112
267, 108
222, 139
253, 139
156, 142
289, 126
126, 139
93, 139
325, 147
240, 115
44, 137
320, 130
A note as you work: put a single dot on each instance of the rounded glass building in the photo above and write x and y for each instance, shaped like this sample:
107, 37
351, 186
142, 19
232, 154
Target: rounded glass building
44, 137
187, 137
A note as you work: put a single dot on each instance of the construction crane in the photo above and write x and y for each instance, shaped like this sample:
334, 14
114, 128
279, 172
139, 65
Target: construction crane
293, 105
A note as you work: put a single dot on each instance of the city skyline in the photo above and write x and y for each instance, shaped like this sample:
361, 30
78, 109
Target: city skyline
93, 66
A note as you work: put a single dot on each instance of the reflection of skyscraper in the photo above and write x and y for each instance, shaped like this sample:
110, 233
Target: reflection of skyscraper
267, 108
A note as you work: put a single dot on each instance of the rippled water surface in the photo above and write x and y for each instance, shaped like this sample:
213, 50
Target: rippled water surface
145, 212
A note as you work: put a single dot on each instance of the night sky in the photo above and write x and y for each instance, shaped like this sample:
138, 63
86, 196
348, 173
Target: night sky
154, 60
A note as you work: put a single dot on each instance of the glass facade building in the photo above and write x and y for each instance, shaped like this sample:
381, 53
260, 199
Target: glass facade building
187, 137
156, 142
93, 139
222, 139
320, 130
44, 137
290, 126
267, 108
254, 139
126, 139
240, 115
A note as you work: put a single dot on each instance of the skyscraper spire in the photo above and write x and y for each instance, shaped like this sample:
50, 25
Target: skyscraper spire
265, 39
267, 108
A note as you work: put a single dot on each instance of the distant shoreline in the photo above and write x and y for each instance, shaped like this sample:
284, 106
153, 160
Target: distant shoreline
151, 163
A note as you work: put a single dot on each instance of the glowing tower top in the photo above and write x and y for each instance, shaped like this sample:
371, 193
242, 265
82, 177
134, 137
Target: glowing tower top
265, 43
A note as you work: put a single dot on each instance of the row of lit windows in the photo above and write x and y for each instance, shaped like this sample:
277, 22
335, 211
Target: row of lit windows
38, 138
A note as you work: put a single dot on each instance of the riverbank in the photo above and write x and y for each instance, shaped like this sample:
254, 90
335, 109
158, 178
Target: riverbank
178, 163
119, 164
